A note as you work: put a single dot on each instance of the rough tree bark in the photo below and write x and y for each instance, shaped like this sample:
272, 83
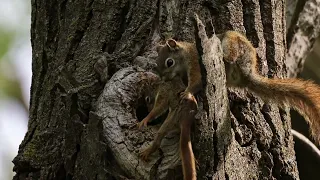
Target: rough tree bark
73, 134
303, 27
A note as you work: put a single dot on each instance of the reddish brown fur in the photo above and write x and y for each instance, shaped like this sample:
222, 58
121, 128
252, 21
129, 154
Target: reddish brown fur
194, 71
186, 153
160, 106
232, 51
304, 96
167, 96
187, 62
187, 58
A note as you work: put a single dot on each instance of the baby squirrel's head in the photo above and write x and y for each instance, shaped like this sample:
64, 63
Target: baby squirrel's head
149, 98
171, 61
150, 94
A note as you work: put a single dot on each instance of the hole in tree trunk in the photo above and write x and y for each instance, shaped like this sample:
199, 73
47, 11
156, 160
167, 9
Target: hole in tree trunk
142, 112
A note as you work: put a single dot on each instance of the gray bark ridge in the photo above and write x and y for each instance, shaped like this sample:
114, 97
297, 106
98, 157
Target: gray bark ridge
214, 126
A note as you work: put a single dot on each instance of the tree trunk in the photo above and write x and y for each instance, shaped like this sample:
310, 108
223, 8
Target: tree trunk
76, 133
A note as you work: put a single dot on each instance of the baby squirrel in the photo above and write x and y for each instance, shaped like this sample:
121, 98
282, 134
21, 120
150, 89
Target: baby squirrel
181, 59
167, 97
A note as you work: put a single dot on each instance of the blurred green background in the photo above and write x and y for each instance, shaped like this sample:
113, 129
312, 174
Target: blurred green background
15, 79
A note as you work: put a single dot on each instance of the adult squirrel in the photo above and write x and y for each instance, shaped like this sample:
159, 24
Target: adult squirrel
181, 115
181, 59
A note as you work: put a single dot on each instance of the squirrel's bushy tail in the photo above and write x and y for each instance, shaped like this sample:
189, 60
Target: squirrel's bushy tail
304, 96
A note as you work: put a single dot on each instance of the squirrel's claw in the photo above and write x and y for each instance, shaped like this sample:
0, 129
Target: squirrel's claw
145, 154
134, 125
186, 95
143, 123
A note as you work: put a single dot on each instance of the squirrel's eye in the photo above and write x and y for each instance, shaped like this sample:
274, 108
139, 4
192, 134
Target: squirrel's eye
169, 62
147, 99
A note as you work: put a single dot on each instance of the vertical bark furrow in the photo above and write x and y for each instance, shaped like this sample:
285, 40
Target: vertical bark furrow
230, 17
129, 43
254, 31
114, 23
274, 29
252, 21
139, 26
169, 18
176, 19
53, 29
274, 33
77, 37
267, 21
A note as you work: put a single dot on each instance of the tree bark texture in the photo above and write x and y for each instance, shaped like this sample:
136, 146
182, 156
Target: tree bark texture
76, 133
303, 29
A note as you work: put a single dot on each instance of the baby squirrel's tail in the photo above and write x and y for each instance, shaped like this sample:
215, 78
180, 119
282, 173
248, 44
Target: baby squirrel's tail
186, 117
302, 95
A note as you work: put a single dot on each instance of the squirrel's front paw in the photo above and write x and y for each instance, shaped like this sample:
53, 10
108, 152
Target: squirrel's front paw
143, 123
188, 100
186, 95
145, 154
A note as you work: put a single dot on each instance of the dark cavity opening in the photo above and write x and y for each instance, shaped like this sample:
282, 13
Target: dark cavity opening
142, 112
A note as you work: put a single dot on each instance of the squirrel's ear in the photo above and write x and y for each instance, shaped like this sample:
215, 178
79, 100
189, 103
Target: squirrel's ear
172, 44
159, 47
